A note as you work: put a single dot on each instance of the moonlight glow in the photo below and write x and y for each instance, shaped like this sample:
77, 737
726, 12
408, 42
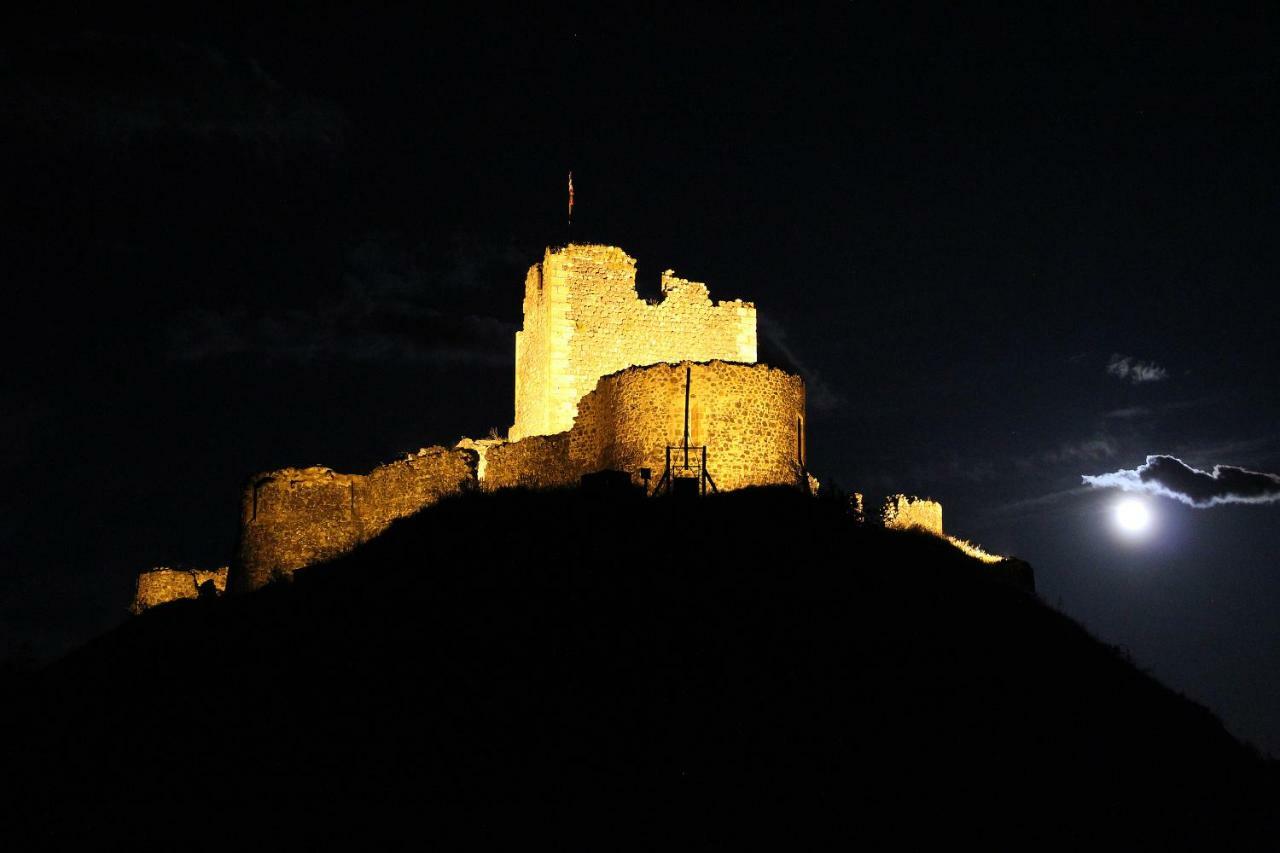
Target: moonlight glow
1132, 516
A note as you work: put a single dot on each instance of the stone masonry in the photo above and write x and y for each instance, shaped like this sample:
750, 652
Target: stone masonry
750, 417
583, 320
161, 585
604, 381
600, 384
902, 513
296, 517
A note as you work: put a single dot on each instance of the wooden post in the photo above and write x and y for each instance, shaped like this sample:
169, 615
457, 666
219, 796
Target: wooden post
688, 374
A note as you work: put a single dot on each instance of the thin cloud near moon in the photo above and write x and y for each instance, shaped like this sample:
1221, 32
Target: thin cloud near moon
1170, 477
1129, 368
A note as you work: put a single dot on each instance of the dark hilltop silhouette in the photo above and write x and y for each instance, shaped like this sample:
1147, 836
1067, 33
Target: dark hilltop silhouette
758, 647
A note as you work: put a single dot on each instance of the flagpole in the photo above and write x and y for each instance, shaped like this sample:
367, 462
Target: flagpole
570, 200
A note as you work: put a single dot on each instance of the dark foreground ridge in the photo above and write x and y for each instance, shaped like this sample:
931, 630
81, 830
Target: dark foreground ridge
752, 646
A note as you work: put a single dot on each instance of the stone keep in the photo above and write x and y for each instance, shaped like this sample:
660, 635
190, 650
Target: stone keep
750, 417
583, 320
602, 382
605, 380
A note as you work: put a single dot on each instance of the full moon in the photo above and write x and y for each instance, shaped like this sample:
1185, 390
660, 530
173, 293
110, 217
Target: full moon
1132, 515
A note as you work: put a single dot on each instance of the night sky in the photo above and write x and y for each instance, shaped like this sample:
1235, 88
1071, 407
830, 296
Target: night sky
1005, 253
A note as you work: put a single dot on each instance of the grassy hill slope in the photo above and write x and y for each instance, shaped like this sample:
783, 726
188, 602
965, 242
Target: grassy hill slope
757, 646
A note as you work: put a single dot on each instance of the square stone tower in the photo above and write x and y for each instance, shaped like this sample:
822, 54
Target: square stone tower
583, 319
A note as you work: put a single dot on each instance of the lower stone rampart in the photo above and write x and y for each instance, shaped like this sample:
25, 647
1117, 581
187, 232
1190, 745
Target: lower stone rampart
901, 512
750, 418
296, 517
162, 585
536, 462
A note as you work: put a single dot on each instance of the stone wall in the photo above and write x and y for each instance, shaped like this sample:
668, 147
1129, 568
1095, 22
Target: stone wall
296, 517
583, 320
481, 446
901, 512
161, 585
750, 417
539, 461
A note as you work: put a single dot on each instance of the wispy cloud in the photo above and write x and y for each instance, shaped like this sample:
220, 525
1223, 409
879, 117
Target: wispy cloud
423, 335
1099, 447
1128, 413
1028, 505
1159, 409
387, 312
1129, 368
189, 95
1067, 453
776, 350
1241, 450
1170, 477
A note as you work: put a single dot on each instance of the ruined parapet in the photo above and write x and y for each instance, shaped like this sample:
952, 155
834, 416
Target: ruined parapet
293, 518
750, 417
535, 462
481, 446
407, 485
162, 585
909, 513
297, 517
856, 508
584, 320
901, 512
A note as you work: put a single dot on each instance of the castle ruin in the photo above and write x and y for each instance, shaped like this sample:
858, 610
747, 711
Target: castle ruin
163, 584
605, 380
583, 320
901, 512
297, 517
666, 392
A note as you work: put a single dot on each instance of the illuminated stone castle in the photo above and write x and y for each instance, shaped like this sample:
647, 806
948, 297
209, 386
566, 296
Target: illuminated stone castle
606, 380
665, 393
583, 320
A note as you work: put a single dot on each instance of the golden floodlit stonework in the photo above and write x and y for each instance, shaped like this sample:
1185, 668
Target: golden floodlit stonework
602, 382
296, 517
583, 320
161, 585
605, 381
903, 513
749, 417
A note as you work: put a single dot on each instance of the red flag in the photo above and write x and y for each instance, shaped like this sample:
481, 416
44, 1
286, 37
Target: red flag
571, 198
